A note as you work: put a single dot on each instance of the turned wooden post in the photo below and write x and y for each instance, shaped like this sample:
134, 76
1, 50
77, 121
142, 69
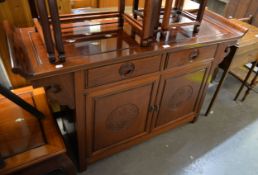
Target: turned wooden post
179, 4
43, 15
157, 11
121, 10
167, 13
200, 14
150, 10
135, 8
55, 21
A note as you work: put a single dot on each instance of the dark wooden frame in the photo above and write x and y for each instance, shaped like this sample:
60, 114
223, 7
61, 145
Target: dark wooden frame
177, 12
146, 27
150, 16
44, 28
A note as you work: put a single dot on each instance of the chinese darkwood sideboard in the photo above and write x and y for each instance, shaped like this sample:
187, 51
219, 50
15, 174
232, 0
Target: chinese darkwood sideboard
123, 94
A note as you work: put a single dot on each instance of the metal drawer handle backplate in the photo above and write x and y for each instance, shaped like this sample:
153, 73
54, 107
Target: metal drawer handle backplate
194, 54
126, 69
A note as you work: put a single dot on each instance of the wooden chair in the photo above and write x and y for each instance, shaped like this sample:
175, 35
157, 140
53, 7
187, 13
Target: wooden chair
30, 146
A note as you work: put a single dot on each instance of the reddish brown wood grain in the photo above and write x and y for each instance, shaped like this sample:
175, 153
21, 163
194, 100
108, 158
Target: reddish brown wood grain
103, 73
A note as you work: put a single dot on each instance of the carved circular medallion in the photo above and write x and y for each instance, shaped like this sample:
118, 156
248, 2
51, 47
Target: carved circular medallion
180, 96
122, 117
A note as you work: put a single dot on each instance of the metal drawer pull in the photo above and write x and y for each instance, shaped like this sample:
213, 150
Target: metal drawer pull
126, 69
193, 55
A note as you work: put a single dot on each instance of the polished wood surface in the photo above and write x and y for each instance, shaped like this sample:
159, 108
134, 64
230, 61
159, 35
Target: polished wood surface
111, 76
94, 52
181, 93
122, 113
187, 56
30, 143
21, 19
122, 71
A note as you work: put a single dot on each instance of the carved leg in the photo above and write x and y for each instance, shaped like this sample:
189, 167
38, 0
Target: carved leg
216, 92
230, 57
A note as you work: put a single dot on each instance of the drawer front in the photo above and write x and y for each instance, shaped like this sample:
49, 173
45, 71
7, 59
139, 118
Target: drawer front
116, 72
181, 58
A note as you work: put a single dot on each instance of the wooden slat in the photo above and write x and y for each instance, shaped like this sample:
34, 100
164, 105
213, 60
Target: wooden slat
243, 9
88, 17
134, 23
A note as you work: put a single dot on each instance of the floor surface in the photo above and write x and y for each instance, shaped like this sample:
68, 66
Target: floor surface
225, 143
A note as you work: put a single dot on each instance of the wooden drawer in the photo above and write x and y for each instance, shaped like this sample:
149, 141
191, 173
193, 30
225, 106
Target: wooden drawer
191, 55
112, 73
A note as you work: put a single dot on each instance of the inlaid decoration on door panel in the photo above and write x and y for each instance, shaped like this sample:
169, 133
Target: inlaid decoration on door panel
120, 116
179, 96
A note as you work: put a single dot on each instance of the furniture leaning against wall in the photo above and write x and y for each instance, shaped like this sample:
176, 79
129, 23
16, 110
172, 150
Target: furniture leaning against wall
145, 22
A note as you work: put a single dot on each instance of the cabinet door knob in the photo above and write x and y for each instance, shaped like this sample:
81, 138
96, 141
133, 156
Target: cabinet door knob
194, 54
126, 69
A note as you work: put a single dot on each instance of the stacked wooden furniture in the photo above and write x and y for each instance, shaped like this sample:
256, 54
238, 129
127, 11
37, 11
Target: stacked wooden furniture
28, 145
176, 16
122, 93
146, 27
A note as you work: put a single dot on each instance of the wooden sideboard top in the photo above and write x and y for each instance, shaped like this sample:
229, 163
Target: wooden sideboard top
32, 61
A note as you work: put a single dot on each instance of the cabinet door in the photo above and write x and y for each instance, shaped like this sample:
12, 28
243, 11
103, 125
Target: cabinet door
119, 114
180, 94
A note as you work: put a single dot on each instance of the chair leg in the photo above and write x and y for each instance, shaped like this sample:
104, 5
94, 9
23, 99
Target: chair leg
245, 80
250, 87
216, 92
229, 59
